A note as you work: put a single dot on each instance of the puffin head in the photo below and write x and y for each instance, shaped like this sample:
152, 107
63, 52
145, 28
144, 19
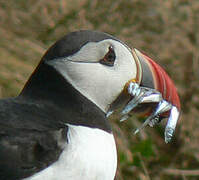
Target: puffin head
101, 68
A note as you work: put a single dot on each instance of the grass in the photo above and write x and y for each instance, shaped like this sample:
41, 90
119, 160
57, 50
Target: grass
166, 30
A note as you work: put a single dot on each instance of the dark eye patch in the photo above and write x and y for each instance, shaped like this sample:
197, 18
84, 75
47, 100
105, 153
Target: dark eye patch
109, 58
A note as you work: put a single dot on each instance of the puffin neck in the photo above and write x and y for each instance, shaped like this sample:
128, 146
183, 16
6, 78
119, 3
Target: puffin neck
48, 87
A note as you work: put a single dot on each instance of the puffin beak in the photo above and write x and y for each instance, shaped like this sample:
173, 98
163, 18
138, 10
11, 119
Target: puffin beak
154, 87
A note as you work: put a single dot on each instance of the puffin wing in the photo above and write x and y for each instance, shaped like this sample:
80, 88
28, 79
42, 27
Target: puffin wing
30, 139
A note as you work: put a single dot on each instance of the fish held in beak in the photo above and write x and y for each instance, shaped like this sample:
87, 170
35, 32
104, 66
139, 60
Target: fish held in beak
154, 87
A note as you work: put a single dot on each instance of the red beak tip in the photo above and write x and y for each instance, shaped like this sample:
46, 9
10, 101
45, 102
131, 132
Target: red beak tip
164, 84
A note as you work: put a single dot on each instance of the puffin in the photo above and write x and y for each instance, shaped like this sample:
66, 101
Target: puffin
58, 127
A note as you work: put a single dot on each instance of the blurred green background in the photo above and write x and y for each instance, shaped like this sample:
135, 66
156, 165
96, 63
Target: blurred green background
166, 30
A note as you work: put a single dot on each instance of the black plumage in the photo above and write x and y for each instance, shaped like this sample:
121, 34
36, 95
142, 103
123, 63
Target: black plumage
33, 125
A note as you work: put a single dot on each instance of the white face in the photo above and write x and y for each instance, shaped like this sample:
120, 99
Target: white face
100, 83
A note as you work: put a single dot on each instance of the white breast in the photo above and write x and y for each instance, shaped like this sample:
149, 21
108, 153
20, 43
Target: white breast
90, 154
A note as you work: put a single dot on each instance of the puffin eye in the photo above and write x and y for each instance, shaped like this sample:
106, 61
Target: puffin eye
109, 58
